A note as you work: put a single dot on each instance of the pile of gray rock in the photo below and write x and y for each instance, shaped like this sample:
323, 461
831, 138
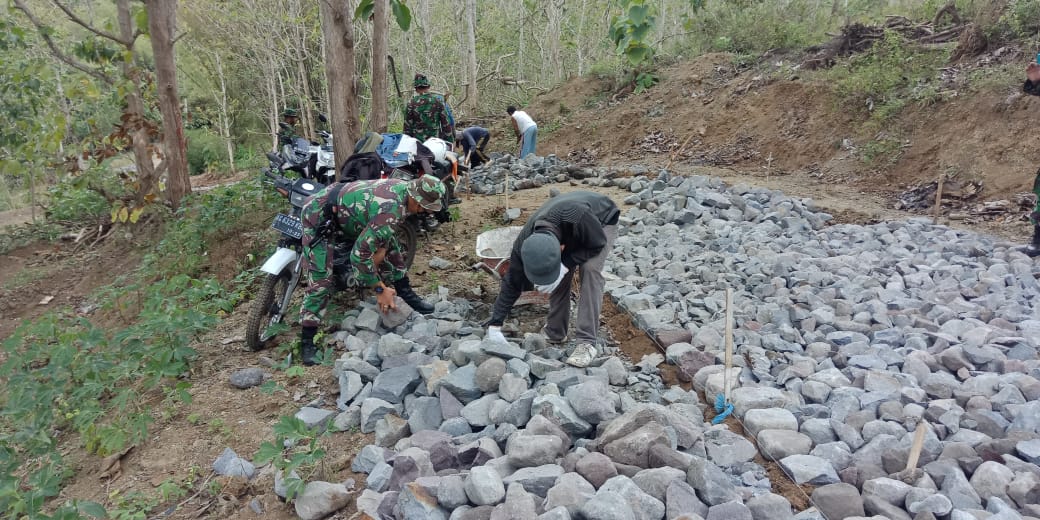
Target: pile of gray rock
847, 338
532, 171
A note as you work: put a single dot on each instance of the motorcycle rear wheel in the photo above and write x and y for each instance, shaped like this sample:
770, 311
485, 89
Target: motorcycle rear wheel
408, 239
265, 311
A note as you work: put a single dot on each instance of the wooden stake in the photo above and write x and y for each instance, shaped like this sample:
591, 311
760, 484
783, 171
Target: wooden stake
938, 197
729, 341
915, 448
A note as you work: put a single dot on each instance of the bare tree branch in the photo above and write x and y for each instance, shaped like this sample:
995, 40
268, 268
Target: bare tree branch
69, 60
82, 23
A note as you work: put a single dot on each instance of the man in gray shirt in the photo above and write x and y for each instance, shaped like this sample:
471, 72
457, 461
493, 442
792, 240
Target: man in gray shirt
570, 231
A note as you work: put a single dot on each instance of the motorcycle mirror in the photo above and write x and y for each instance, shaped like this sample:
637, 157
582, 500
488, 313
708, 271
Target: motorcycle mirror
322, 118
283, 125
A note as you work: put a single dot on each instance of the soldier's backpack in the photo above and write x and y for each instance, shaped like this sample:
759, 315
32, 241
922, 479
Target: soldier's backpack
365, 166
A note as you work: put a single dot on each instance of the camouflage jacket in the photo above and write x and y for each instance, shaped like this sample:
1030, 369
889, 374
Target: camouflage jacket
369, 212
426, 117
287, 136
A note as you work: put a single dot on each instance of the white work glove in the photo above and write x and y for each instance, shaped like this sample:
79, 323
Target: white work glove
495, 334
549, 288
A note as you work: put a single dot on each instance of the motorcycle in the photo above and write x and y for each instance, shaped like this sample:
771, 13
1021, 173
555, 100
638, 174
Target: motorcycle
284, 268
443, 162
309, 159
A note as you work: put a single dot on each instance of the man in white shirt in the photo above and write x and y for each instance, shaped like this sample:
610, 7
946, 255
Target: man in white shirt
525, 129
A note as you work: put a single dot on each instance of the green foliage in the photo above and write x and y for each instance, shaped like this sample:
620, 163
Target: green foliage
63, 374
885, 79
301, 456
630, 31
400, 11
204, 218
81, 198
1023, 17
645, 80
756, 26
206, 151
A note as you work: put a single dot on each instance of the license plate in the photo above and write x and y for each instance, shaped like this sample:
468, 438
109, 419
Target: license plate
288, 225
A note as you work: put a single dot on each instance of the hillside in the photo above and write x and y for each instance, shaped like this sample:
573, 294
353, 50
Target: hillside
764, 122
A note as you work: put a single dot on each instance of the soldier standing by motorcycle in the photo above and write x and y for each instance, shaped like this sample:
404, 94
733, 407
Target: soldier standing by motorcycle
367, 213
288, 132
426, 116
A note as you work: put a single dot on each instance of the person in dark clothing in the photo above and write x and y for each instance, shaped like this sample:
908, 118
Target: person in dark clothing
570, 231
473, 140
1032, 87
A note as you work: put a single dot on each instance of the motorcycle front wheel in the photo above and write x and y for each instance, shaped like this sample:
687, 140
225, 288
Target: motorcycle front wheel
266, 313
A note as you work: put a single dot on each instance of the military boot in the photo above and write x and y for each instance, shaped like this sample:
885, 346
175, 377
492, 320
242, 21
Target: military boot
404, 290
1033, 249
308, 351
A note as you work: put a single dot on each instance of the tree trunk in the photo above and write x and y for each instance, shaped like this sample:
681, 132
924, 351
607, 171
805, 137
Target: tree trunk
339, 69
472, 94
134, 116
272, 91
377, 120
225, 117
162, 19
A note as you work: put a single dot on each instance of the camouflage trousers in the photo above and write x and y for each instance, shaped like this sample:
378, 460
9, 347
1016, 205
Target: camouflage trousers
1034, 217
318, 263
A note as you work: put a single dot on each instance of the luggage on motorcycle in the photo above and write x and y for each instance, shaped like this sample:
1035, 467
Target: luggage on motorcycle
388, 147
370, 142
363, 166
439, 147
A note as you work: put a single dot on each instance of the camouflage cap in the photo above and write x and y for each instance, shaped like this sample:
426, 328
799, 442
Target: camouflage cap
290, 112
428, 191
420, 81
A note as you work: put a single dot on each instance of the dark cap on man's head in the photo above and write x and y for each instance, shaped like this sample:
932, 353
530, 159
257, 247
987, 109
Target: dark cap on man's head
540, 253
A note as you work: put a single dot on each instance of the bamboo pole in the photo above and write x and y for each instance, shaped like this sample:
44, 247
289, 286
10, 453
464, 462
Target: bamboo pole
729, 342
915, 448
938, 198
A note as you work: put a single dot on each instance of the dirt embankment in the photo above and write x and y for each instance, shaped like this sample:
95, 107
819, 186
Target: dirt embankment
765, 122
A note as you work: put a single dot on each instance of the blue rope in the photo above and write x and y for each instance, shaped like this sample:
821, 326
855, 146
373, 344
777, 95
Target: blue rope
722, 408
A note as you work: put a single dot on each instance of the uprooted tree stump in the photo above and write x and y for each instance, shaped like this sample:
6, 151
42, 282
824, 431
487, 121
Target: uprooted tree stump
857, 37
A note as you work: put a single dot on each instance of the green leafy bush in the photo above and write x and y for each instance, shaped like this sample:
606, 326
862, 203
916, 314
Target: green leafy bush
206, 151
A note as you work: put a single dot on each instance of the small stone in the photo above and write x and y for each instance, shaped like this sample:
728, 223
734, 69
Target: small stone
597, 468
838, 500
489, 374
229, 464
320, 499
484, 486
247, 378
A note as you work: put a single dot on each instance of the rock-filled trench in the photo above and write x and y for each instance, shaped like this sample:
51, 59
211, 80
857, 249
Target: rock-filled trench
847, 337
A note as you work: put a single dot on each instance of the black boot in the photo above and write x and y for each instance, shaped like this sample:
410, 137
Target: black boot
449, 194
404, 290
308, 352
1033, 249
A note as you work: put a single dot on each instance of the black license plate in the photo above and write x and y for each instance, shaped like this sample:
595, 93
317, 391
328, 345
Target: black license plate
288, 225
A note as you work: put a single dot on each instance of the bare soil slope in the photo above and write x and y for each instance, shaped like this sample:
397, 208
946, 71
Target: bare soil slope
762, 122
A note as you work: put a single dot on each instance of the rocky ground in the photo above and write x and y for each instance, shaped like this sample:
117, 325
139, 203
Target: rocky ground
848, 340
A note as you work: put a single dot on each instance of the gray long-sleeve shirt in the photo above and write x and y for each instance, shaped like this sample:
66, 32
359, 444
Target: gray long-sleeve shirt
576, 219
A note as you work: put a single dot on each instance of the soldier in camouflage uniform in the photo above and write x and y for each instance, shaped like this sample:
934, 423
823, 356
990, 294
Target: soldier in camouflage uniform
1032, 87
287, 135
367, 212
426, 116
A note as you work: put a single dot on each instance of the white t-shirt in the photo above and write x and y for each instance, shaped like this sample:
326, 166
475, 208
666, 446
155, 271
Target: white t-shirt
523, 121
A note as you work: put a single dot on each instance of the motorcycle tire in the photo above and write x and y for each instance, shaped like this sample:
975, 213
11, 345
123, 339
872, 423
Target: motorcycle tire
265, 306
408, 238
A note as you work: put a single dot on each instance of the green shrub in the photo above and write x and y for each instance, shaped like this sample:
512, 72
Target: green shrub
206, 151
755, 27
1023, 16
888, 76
78, 199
